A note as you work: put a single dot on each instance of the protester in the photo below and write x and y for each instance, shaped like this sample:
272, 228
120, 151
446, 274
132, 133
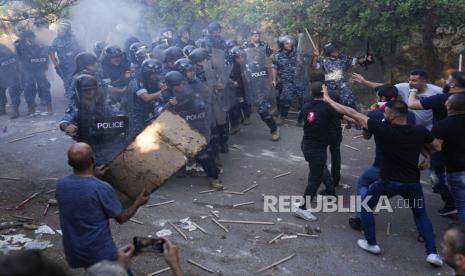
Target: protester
27, 263
453, 247
451, 132
400, 145
85, 205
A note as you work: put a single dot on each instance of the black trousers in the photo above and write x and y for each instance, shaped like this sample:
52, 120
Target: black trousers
335, 150
206, 159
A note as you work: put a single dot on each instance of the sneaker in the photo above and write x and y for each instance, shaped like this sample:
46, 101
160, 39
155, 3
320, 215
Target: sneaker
447, 211
234, 130
246, 121
356, 224
216, 184
373, 249
304, 214
275, 135
434, 260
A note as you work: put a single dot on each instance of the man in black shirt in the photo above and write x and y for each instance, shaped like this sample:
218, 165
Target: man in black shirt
318, 115
400, 145
455, 85
451, 132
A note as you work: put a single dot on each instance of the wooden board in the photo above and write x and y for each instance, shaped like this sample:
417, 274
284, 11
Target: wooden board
155, 155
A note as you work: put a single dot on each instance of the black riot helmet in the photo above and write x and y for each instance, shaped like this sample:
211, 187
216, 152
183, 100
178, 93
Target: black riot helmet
24, 32
98, 48
134, 48
112, 52
255, 32
85, 83
214, 27
201, 43
167, 33
230, 43
198, 55
83, 60
285, 39
172, 54
236, 52
150, 66
174, 78
330, 48
142, 54
182, 65
187, 50
64, 26
183, 29
131, 40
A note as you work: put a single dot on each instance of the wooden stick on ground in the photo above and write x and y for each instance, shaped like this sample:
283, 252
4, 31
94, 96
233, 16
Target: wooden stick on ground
307, 235
281, 175
246, 222
21, 138
26, 200
159, 271
276, 238
241, 204
136, 221
220, 225
50, 191
234, 193
350, 147
358, 136
10, 178
42, 131
250, 188
159, 204
209, 191
200, 228
200, 266
388, 229
276, 263
178, 230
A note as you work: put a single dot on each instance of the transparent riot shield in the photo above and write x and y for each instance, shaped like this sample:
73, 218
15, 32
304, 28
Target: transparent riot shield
220, 68
9, 67
197, 109
106, 128
257, 76
304, 62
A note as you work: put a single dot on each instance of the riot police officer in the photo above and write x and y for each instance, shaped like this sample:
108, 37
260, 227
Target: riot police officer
9, 80
255, 42
87, 63
117, 73
34, 59
64, 49
214, 38
172, 54
98, 48
183, 37
284, 64
92, 121
146, 88
193, 108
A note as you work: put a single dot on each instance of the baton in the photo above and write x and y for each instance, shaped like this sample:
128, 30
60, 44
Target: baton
311, 40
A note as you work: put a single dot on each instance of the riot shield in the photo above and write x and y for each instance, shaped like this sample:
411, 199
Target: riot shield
304, 62
198, 113
220, 68
158, 152
9, 67
206, 73
257, 76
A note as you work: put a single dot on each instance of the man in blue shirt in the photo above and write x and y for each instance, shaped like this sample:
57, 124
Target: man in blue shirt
86, 204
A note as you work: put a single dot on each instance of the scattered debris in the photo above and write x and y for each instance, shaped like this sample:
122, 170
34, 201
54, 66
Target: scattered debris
159, 271
307, 235
22, 138
309, 230
136, 221
200, 228
159, 204
186, 224
19, 242
276, 263
388, 229
281, 175
53, 139
10, 178
276, 238
23, 218
345, 186
249, 188
242, 204
26, 200
51, 202
178, 230
246, 222
220, 225
209, 191
234, 146
358, 136
286, 237
10, 224
350, 147
44, 229
209, 206
200, 266
59, 232
50, 191
164, 233
37, 245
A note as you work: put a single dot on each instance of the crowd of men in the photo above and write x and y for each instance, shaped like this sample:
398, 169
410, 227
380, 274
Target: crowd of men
215, 84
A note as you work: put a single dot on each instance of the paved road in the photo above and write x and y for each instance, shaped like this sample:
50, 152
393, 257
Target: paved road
254, 159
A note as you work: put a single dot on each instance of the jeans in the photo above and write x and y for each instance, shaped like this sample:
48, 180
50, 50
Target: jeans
411, 191
369, 176
438, 178
456, 182
315, 155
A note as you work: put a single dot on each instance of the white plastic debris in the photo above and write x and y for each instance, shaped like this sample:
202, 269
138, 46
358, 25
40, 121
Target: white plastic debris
44, 229
285, 237
164, 233
59, 232
37, 245
52, 139
209, 206
203, 217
